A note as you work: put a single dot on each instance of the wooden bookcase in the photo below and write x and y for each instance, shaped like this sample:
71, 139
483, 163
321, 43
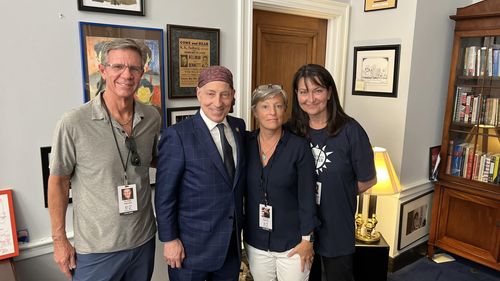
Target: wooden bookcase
466, 208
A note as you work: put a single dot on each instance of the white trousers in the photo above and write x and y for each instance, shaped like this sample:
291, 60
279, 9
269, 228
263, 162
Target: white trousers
267, 266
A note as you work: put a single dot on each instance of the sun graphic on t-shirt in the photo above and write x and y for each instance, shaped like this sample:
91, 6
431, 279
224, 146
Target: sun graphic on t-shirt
320, 157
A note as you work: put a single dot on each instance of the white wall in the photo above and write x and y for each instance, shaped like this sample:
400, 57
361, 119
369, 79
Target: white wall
41, 78
411, 123
383, 118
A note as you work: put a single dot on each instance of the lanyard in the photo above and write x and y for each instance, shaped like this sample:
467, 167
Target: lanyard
124, 165
264, 180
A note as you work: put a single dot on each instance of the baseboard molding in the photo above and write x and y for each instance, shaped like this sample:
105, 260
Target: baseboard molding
407, 257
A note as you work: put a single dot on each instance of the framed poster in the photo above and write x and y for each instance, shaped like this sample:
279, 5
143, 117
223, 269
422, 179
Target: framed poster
127, 7
8, 235
176, 115
374, 5
92, 38
376, 71
45, 156
414, 219
434, 160
190, 49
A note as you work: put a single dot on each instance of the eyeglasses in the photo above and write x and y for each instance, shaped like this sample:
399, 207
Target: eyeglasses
119, 68
132, 147
270, 86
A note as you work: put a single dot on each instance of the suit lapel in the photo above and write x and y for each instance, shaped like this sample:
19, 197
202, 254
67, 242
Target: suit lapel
205, 138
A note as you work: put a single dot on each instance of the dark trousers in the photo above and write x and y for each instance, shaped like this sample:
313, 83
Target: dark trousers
332, 269
229, 271
128, 265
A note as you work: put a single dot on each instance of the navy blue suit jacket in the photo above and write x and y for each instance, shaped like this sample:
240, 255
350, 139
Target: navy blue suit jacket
194, 199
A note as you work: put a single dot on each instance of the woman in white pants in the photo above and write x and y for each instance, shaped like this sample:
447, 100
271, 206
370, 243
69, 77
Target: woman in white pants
280, 198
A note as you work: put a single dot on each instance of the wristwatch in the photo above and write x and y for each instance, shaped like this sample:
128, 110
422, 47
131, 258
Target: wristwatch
309, 238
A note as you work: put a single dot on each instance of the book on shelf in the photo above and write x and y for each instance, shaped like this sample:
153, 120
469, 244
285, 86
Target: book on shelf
448, 157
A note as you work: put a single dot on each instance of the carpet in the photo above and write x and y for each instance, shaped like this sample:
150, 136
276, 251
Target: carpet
458, 270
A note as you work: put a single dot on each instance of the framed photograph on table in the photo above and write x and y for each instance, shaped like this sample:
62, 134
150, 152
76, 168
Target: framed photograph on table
190, 49
127, 7
414, 219
375, 5
176, 115
376, 71
93, 36
8, 236
45, 157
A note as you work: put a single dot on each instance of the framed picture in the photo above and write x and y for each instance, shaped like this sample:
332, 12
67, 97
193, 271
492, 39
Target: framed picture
414, 219
376, 71
93, 36
190, 49
8, 236
45, 156
127, 7
374, 5
434, 160
176, 115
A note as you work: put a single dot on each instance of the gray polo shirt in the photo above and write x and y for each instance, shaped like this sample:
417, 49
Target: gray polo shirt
84, 147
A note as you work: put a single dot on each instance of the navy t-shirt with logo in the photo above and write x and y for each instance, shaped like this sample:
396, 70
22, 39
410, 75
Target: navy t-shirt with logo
341, 162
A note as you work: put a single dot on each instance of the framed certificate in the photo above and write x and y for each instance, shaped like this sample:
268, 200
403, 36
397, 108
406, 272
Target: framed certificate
8, 236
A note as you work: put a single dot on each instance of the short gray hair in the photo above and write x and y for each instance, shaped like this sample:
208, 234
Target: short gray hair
122, 44
268, 91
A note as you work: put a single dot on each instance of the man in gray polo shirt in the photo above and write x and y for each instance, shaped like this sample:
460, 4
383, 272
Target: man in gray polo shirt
103, 147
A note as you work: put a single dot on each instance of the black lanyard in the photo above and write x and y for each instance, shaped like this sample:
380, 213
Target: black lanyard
124, 165
264, 180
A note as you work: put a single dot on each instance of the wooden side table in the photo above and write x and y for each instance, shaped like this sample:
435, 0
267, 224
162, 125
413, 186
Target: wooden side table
371, 261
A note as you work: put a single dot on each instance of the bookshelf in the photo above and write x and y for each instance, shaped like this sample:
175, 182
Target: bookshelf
466, 207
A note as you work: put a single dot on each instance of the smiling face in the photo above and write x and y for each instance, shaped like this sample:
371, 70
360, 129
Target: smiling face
121, 83
270, 112
313, 98
216, 99
127, 193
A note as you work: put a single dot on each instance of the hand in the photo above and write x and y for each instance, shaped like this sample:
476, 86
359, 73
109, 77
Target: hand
173, 253
306, 253
64, 256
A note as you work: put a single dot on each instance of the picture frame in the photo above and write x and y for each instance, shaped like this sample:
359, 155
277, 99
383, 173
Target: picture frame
45, 159
376, 70
175, 115
375, 5
434, 160
92, 38
190, 49
126, 7
8, 235
414, 220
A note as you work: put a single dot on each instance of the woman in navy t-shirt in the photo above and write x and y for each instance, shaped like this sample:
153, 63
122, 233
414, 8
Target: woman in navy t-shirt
344, 164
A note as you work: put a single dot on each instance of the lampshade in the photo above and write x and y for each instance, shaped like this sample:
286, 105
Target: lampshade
387, 180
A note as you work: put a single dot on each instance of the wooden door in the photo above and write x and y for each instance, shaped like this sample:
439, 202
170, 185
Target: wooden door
281, 44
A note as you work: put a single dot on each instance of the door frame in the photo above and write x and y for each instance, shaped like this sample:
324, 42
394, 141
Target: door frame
337, 15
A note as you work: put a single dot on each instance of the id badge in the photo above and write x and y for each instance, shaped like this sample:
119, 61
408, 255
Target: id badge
127, 199
266, 217
317, 192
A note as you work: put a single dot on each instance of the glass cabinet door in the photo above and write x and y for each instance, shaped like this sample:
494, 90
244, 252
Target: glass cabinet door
473, 150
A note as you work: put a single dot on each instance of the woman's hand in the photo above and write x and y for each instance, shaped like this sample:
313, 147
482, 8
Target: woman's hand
305, 250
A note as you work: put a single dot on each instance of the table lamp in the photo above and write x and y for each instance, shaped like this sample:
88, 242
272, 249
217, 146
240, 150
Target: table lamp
387, 184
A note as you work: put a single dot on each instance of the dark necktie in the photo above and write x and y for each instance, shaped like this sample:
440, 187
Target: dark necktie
227, 151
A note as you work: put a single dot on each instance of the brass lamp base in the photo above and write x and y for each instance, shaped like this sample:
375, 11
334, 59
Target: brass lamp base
368, 239
370, 235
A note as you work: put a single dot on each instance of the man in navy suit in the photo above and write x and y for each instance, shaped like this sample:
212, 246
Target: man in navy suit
199, 186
